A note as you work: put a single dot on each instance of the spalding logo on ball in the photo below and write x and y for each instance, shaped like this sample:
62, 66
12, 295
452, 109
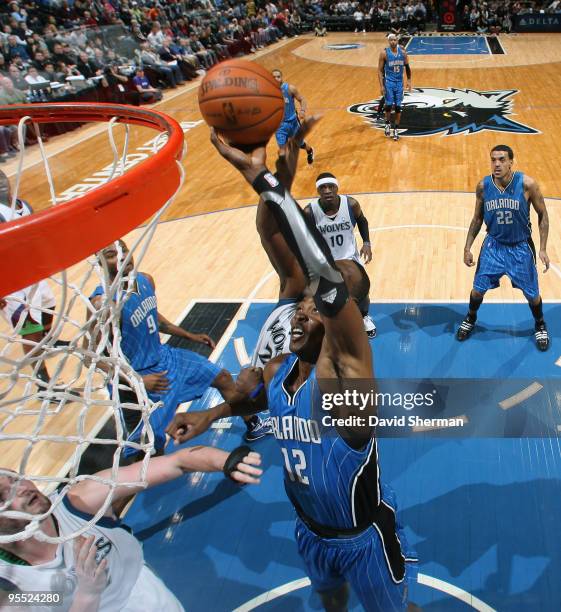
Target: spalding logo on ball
242, 101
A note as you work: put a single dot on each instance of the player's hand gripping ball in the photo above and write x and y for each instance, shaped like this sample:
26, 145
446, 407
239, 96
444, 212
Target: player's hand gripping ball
242, 101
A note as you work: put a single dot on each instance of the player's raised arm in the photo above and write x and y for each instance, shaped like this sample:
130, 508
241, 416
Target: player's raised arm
475, 225
536, 198
89, 495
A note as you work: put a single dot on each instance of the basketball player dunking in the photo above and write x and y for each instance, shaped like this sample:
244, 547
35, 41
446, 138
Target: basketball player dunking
346, 530
274, 338
291, 119
391, 62
503, 201
335, 216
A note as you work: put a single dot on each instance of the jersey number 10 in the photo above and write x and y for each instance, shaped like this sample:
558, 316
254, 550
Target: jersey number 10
336, 240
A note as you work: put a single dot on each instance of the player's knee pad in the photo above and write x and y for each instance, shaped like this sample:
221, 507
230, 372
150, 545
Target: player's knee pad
330, 297
398, 109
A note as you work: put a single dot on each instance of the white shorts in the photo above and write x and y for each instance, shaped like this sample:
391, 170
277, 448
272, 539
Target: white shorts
150, 593
29, 303
274, 338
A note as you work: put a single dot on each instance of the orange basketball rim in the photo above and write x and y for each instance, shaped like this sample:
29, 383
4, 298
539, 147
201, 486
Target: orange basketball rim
58, 237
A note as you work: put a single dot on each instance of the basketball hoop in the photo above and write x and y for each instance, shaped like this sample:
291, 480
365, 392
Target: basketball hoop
87, 372
60, 236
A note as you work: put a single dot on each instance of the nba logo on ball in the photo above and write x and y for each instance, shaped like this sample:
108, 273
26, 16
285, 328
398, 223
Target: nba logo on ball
242, 101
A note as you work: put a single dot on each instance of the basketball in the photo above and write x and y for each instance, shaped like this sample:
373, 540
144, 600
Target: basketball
242, 101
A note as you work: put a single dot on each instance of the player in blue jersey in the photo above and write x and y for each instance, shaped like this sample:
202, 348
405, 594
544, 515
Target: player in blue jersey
170, 375
503, 202
393, 60
291, 119
346, 530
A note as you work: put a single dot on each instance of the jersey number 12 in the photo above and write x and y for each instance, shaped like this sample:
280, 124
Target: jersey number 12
299, 465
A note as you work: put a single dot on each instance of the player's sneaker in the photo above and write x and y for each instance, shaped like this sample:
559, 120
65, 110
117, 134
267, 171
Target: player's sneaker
542, 337
395, 135
257, 428
369, 326
311, 156
387, 130
465, 329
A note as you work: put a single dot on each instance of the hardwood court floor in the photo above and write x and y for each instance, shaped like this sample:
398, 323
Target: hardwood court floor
417, 193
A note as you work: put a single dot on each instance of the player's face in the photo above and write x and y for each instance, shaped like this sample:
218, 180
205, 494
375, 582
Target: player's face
501, 164
306, 331
27, 498
114, 257
277, 76
393, 42
328, 193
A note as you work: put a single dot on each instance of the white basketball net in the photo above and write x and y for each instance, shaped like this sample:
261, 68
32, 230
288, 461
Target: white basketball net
45, 423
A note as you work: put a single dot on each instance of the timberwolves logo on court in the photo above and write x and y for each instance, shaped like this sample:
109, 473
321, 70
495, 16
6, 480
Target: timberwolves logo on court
343, 46
430, 110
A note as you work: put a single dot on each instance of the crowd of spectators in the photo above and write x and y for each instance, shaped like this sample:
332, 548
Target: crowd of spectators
125, 50
494, 16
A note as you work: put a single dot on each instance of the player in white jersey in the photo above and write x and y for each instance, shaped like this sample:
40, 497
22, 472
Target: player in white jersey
25, 309
108, 574
336, 216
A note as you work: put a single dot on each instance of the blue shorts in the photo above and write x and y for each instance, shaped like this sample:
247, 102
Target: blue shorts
360, 561
394, 94
517, 261
286, 130
189, 375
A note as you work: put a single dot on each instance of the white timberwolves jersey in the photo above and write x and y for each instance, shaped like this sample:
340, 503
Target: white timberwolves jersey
128, 575
22, 209
338, 231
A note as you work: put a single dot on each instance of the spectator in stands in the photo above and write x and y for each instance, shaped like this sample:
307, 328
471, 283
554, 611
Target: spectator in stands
167, 55
148, 94
17, 77
170, 74
33, 77
156, 36
203, 54
16, 47
86, 67
9, 94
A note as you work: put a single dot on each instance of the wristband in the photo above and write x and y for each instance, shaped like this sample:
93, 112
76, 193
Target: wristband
257, 390
235, 457
266, 181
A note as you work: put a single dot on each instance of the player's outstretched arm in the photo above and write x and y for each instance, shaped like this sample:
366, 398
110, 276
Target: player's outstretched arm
475, 225
251, 384
89, 495
538, 202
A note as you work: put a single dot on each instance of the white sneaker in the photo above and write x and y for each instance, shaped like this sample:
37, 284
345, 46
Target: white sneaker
369, 326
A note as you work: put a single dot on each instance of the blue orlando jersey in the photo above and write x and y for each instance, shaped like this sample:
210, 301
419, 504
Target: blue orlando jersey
289, 108
393, 68
325, 479
506, 212
140, 338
